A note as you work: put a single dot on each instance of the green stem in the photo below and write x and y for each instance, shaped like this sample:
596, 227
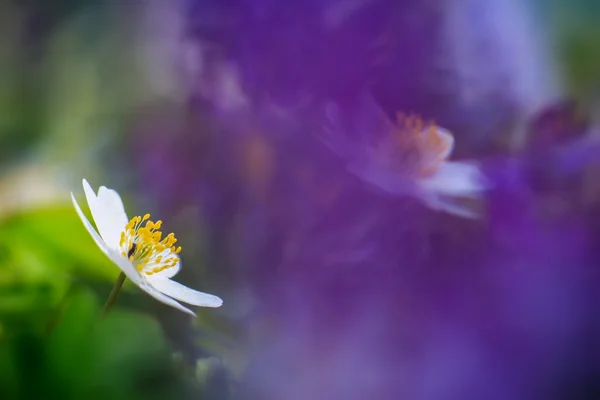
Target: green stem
112, 297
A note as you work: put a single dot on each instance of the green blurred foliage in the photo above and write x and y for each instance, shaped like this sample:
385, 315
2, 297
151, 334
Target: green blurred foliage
580, 52
74, 73
122, 356
42, 253
574, 27
19, 110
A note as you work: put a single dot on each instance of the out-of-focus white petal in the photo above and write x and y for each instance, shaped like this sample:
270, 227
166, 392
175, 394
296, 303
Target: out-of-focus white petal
447, 139
445, 204
102, 217
383, 181
122, 263
184, 293
456, 179
146, 287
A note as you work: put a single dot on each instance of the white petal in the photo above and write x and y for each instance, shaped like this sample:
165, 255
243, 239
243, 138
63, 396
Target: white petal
383, 181
111, 200
90, 228
103, 218
164, 299
456, 179
447, 205
122, 263
184, 293
126, 266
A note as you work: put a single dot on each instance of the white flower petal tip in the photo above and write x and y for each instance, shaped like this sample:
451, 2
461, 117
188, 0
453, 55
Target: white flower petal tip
452, 206
458, 210
183, 293
457, 179
138, 248
165, 299
453, 183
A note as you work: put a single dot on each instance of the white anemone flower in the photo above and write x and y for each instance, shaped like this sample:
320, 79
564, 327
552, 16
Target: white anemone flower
136, 246
409, 157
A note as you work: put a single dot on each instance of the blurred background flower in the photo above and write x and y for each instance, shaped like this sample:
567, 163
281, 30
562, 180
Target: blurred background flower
207, 114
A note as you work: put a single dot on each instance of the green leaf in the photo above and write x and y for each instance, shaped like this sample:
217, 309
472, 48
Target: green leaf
42, 252
122, 356
60, 238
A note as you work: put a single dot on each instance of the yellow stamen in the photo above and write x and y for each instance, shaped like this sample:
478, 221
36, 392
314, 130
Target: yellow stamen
144, 246
420, 143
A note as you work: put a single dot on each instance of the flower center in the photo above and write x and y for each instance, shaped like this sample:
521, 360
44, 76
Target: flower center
418, 147
142, 243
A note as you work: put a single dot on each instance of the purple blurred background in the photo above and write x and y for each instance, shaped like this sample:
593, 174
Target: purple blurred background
351, 295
